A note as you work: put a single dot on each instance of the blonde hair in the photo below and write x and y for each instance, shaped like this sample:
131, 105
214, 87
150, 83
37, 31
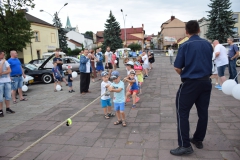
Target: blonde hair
134, 59
126, 59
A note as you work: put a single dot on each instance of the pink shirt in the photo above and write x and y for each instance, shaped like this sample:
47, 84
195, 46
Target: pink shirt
114, 57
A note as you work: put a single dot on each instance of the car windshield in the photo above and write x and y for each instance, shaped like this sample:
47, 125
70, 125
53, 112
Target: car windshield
75, 59
31, 67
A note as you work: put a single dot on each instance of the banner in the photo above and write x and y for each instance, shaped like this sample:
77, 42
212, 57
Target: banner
170, 39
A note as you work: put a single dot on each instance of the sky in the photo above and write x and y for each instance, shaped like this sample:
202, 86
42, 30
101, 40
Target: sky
91, 15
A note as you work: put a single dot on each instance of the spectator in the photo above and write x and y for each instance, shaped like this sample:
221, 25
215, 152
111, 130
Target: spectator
80, 53
151, 59
59, 64
5, 84
118, 56
145, 63
221, 60
108, 60
85, 70
16, 76
99, 66
56, 75
233, 54
93, 60
170, 52
114, 57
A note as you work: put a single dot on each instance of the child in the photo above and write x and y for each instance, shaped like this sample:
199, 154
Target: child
133, 87
70, 79
56, 75
125, 61
134, 60
99, 66
138, 68
106, 99
119, 98
139, 58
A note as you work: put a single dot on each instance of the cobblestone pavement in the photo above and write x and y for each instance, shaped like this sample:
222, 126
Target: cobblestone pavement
150, 134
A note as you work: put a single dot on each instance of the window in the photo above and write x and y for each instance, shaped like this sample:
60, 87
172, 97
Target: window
38, 54
53, 40
235, 30
236, 17
37, 37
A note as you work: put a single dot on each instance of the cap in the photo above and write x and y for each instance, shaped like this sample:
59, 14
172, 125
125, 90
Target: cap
104, 73
130, 63
114, 75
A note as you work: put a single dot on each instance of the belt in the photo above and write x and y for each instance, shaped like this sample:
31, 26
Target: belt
206, 78
17, 75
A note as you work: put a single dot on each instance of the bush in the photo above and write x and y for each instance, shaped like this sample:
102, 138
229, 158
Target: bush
135, 47
74, 52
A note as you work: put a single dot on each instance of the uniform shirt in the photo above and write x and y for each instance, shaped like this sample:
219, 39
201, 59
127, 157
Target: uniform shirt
104, 90
5, 77
59, 65
195, 58
222, 58
233, 49
15, 66
118, 97
109, 55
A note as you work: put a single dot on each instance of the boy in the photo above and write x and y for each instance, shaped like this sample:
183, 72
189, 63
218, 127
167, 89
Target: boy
119, 98
70, 80
99, 66
106, 99
133, 87
56, 75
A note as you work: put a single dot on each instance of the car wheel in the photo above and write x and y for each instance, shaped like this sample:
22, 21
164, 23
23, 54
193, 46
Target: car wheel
238, 62
47, 78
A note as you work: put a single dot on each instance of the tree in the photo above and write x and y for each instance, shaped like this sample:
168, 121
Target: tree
221, 20
112, 33
135, 46
61, 33
15, 29
89, 34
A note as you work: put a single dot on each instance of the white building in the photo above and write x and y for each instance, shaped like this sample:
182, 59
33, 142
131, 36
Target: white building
75, 40
203, 24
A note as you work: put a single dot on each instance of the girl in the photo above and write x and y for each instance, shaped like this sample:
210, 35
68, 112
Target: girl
114, 57
138, 68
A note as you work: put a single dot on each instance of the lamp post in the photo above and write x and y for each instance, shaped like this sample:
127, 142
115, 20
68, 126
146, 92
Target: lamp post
53, 19
124, 19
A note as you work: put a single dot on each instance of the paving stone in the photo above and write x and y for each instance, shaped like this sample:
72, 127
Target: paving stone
98, 152
125, 152
230, 155
83, 139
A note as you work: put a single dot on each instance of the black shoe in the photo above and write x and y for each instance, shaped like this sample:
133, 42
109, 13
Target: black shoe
70, 91
1, 114
181, 151
198, 144
73, 91
9, 111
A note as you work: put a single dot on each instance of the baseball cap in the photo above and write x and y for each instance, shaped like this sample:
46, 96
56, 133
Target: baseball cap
130, 63
104, 73
114, 75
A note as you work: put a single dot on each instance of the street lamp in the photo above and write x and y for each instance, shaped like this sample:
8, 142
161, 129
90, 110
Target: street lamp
124, 19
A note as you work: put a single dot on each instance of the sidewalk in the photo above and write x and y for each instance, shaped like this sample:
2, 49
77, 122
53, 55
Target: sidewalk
150, 134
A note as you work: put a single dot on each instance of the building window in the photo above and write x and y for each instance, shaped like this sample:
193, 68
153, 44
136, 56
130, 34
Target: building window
235, 30
38, 54
37, 37
53, 39
235, 16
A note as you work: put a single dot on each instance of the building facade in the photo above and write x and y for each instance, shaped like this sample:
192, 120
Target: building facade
203, 24
45, 40
236, 15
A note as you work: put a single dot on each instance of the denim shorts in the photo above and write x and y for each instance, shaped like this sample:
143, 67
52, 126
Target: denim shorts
17, 82
119, 106
221, 70
62, 74
106, 103
5, 89
69, 84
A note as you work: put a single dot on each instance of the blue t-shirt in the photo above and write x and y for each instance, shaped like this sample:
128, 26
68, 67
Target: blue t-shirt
56, 72
134, 86
233, 49
195, 58
100, 58
134, 54
15, 66
120, 96
59, 65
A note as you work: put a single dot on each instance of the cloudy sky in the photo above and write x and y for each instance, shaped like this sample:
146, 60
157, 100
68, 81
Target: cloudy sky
90, 15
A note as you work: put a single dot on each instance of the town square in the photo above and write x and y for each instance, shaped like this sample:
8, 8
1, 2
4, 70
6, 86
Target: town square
119, 80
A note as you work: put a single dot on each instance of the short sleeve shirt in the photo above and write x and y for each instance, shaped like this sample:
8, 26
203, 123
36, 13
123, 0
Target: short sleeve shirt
15, 66
222, 59
104, 90
233, 49
109, 55
6, 77
145, 59
120, 96
59, 65
195, 58
56, 72
69, 77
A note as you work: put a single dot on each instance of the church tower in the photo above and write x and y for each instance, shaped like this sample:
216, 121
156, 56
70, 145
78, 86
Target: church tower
68, 24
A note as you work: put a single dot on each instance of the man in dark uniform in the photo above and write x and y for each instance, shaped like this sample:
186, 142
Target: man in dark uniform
194, 64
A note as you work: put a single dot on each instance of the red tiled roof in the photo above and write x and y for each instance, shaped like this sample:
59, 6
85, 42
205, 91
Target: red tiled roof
149, 38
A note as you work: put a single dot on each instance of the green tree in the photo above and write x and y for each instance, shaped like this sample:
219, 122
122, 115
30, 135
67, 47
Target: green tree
15, 29
221, 20
112, 33
135, 46
89, 34
61, 33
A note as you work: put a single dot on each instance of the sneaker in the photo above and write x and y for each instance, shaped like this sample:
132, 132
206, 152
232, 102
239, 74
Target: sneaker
146, 76
128, 100
73, 91
133, 106
198, 144
1, 114
218, 86
9, 111
181, 151
70, 91
137, 99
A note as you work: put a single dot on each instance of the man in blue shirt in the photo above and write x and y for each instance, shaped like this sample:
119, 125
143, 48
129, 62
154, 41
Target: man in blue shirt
233, 54
16, 76
194, 64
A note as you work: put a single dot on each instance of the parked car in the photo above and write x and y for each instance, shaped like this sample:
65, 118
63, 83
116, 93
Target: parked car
37, 61
30, 80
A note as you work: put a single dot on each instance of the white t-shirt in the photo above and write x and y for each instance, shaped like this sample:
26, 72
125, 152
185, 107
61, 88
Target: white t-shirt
88, 66
104, 89
145, 59
222, 59
6, 77
109, 55
170, 52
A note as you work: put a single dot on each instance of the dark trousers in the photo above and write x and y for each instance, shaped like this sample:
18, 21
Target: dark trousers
192, 92
232, 69
117, 62
84, 82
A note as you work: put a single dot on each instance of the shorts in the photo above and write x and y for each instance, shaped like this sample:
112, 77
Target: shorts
5, 89
145, 66
17, 82
69, 84
62, 74
221, 70
119, 106
100, 68
106, 103
57, 79
132, 91
109, 66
